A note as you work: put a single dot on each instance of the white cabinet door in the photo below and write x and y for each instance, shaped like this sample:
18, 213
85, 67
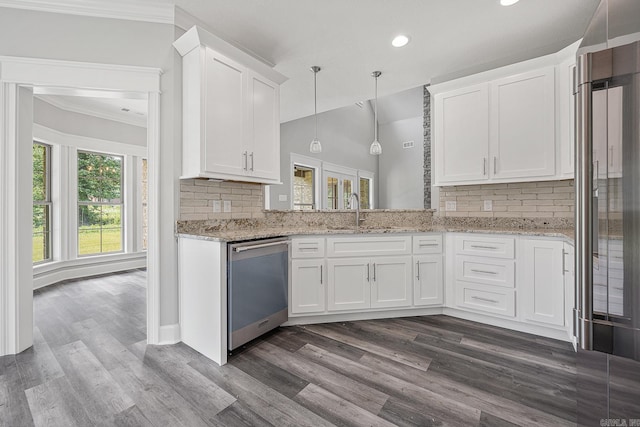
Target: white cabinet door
225, 115
566, 116
461, 132
522, 131
263, 128
349, 284
308, 280
391, 281
428, 281
542, 281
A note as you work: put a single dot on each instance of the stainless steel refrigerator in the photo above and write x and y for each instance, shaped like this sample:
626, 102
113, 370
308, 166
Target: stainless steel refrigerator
607, 87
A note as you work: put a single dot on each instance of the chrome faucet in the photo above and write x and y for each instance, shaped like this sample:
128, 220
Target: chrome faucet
357, 208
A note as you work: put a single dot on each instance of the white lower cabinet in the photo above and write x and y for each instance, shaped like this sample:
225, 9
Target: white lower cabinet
428, 280
542, 281
309, 294
360, 283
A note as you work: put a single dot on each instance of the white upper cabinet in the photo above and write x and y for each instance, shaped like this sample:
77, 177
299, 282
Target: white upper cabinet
510, 124
231, 112
462, 135
522, 131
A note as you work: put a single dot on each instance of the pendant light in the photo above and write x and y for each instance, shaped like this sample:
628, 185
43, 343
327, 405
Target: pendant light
376, 148
315, 147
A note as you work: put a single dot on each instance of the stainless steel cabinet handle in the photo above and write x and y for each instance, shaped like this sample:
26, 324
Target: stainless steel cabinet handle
368, 267
483, 247
260, 245
374, 271
618, 288
244, 160
486, 299
611, 155
564, 269
483, 271
418, 268
495, 164
251, 155
484, 166
422, 245
321, 274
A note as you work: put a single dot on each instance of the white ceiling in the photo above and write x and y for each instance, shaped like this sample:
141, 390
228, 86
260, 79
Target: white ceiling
351, 38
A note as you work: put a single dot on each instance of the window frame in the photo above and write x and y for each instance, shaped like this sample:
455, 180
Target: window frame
47, 201
83, 203
311, 163
371, 177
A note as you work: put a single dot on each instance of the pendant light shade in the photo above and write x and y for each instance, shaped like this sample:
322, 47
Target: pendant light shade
376, 148
315, 147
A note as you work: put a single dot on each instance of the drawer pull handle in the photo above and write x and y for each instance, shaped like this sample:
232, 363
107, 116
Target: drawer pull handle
618, 288
486, 299
308, 249
422, 245
483, 247
483, 271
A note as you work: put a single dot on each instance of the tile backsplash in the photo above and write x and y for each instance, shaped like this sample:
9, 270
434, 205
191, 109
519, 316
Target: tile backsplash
197, 197
548, 199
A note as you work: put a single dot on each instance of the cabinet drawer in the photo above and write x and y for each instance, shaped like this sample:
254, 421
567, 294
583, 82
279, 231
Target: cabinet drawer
427, 244
488, 299
489, 271
307, 248
368, 246
496, 247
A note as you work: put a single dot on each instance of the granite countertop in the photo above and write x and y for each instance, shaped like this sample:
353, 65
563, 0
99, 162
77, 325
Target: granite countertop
263, 233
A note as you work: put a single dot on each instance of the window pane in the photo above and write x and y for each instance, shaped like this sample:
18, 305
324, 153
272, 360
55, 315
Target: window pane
332, 193
40, 165
303, 188
347, 186
41, 233
99, 178
100, 229
364, 193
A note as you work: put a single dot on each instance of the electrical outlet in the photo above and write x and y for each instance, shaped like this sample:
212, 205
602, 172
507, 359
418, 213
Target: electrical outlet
217, 205
227, 205
282, 197
450, 206
488, 205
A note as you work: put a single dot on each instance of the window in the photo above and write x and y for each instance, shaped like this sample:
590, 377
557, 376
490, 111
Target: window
303, 188
41, 203
100, 204
365, 193
144, 198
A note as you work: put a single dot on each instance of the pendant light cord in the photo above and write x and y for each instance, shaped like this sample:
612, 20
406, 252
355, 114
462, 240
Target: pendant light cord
315, 100
375, 129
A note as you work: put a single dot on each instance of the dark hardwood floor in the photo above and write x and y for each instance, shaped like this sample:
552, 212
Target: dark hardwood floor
90, 365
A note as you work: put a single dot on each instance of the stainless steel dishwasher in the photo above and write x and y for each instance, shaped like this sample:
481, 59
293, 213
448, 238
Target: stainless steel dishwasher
257, 280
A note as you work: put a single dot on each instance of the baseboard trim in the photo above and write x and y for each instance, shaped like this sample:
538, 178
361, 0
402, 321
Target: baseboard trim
169, 334
49, 274
368, 315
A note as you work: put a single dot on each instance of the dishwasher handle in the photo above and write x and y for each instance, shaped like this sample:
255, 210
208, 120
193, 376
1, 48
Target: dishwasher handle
260, 245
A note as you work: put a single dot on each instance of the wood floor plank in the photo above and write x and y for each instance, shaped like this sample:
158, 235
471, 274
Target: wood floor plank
336, 409
341, 385
414, 361
14, 407
37, 364
131, 417
97, 391
432, 403
271, 405
239, 415
278, 377
55, 403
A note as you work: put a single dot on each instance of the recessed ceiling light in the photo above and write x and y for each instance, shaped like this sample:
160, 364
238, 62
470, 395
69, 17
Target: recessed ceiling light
508, 2
400, 40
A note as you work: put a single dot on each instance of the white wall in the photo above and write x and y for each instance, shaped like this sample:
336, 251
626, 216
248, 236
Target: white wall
345, 135
86, 39
401, 180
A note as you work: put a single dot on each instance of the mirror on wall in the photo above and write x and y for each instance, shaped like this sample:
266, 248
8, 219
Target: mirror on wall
326, 180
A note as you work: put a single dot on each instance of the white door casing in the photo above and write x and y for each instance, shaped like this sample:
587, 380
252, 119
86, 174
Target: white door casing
16, 271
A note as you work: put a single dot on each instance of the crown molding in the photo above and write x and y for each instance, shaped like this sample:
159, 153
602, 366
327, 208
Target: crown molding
138, 10
72, 108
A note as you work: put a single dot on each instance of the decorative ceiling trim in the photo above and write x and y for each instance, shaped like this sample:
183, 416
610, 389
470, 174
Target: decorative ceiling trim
72, 108
138, 10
